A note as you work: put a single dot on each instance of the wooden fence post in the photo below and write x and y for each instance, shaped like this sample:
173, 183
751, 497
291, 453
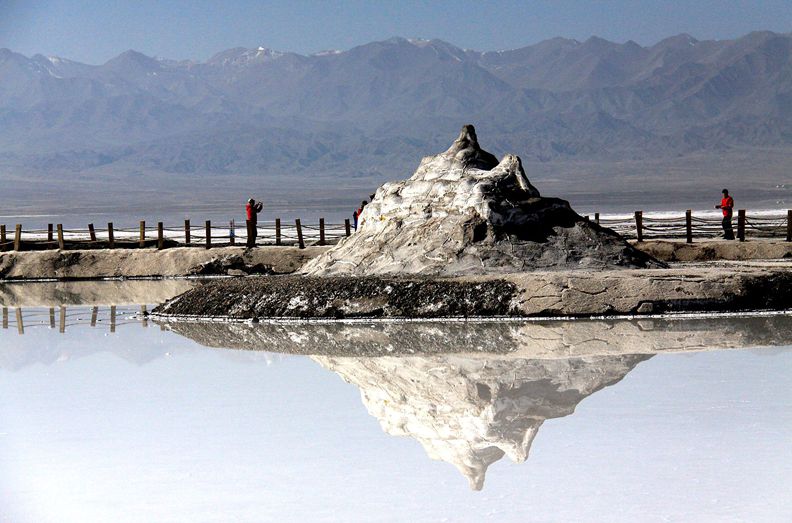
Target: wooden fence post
300, 241
160, 236
321, 231
639, 225
61, 243
208, 234
18, 237
62, 319
5, 317
789, 225
2, 238
741, 225
596, 218
689, 226
94, 314
92, 232
187, 233
112, 318
50, 236
52, 317
347, 227
144, 316
277, 231
142, 233
110, 236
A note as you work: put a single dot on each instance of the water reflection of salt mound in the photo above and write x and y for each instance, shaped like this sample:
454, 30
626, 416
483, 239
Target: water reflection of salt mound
472, 393
473, 411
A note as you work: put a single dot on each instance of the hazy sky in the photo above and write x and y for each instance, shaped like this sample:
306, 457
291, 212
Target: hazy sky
93, 31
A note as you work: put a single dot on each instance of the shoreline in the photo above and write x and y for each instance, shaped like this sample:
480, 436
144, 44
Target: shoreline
694, 288
670, 316
197, 262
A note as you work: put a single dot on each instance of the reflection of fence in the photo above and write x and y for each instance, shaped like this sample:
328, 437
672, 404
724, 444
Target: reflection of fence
642, 226
61, 318
144, 235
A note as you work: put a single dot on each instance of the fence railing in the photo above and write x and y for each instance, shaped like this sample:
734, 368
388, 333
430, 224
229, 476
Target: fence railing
147, 234
640, 226
689, 226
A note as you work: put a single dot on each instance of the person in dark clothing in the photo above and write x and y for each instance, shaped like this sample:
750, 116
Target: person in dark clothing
727, 206
358, 212
252, 209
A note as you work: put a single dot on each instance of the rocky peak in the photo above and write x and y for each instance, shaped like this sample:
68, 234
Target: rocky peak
468, 153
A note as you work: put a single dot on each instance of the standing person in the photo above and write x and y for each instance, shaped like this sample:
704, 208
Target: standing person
358, 212
727, 206
252, 209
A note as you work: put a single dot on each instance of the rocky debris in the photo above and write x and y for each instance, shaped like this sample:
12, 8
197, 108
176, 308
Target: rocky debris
546, 339
464, 213
469, 412
231, 265
343, 297
725, 287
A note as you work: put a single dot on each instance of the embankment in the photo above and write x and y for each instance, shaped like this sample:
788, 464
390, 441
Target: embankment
679, 251
723, 286
193, 261
148, 263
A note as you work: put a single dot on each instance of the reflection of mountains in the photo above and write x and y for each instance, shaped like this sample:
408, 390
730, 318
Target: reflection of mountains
471, 411
472, 393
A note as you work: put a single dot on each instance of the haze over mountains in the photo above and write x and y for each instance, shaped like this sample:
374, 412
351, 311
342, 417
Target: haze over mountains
599, 112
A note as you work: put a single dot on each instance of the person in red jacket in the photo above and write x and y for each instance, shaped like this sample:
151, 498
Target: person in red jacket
727, 206
358, 212
252, 209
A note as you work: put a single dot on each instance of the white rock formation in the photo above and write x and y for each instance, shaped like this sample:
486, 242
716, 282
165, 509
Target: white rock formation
462, 212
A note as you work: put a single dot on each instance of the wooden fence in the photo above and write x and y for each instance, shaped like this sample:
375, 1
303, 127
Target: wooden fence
688, 226
145, 235
641, 226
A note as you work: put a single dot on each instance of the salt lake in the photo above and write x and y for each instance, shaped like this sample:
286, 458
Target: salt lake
106, 415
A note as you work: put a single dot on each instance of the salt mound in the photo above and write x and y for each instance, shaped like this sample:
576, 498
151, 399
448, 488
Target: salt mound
462, 213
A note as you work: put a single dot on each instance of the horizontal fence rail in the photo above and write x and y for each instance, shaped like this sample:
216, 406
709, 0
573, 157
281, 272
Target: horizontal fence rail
688, 225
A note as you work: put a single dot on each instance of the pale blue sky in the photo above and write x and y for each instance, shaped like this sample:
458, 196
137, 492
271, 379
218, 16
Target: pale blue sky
94, 31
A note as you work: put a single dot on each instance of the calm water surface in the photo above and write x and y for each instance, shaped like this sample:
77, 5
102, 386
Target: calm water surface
124, 422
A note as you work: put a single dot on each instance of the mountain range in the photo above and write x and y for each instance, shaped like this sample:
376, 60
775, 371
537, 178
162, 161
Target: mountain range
603, 115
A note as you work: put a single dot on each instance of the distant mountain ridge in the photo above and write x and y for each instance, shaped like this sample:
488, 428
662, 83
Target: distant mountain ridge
373, 110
